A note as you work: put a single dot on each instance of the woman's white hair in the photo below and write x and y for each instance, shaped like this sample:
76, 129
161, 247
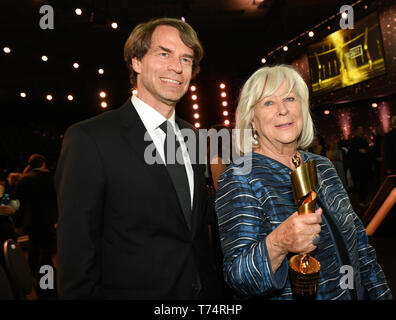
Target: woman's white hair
261, 84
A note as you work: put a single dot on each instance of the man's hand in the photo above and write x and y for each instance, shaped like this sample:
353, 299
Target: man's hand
7, 210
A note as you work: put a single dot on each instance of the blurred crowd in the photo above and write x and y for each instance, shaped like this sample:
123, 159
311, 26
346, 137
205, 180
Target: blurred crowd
28, 210
28, 214
362, 162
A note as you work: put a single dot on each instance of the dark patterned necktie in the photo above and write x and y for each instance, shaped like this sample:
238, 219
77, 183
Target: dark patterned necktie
177, 170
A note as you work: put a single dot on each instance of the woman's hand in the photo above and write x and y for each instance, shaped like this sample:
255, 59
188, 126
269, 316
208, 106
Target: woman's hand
295, 234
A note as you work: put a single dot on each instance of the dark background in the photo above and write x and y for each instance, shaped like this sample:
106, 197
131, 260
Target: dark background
236, 35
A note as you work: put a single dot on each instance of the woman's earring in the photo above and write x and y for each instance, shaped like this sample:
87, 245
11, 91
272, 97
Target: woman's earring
255, 138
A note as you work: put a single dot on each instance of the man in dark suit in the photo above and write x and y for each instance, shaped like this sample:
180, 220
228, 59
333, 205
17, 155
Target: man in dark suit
128, 229
390, 149
38, 212
360, 166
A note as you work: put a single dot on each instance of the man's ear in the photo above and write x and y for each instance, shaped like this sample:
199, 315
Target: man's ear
136, 65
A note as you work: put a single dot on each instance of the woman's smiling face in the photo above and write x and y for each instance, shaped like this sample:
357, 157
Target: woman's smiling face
278, 119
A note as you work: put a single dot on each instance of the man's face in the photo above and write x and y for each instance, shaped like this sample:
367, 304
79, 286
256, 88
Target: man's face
164, 73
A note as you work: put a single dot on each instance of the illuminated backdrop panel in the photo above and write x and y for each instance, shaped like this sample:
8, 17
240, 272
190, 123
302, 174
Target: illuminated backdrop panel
347, 57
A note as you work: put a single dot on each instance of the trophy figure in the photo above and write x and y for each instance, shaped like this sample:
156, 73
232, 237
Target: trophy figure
304, 269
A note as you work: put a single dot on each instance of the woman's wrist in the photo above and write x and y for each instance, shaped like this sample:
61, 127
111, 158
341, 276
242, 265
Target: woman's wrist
276, 251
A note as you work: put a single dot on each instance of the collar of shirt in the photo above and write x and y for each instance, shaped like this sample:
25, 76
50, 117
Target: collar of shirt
152, 119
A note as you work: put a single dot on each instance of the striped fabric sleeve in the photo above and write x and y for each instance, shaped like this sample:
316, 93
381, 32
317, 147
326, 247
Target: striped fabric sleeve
242, 225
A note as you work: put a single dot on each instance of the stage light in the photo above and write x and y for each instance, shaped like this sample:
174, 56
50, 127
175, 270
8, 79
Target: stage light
197, 124
114, 25
195, 106
183, 19
49, 97
100, 71
76, 65
227, 122
70, 97
102, 94
193, 88
223, 94
194, 97
344, 15
78, 11
326, 112
285, 48
44, 58
225, 113
224, 103
134, 92
263, 60
196, 115
103, 104
222, 86
374, 105
23, 94
6, 50
311, 34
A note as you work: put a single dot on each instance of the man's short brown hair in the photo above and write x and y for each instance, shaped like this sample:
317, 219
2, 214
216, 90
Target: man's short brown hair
139, 42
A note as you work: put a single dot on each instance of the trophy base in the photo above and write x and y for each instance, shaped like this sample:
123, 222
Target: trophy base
304, 277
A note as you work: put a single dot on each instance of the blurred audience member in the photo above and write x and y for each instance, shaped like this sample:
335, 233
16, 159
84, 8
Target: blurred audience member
219, 151
344, 146
318, 145
360, 165
335, 156
390, 149
38, 212
13, 179
376, 155
7, 210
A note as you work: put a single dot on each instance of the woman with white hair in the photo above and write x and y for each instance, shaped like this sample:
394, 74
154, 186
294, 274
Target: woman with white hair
258, 223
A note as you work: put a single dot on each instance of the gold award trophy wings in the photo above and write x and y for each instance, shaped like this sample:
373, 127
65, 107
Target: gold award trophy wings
304, 269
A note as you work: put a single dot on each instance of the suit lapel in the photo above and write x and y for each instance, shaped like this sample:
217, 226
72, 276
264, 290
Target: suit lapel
134, 132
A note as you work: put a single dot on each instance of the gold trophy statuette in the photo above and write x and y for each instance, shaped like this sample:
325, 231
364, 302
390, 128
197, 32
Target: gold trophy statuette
304, 270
